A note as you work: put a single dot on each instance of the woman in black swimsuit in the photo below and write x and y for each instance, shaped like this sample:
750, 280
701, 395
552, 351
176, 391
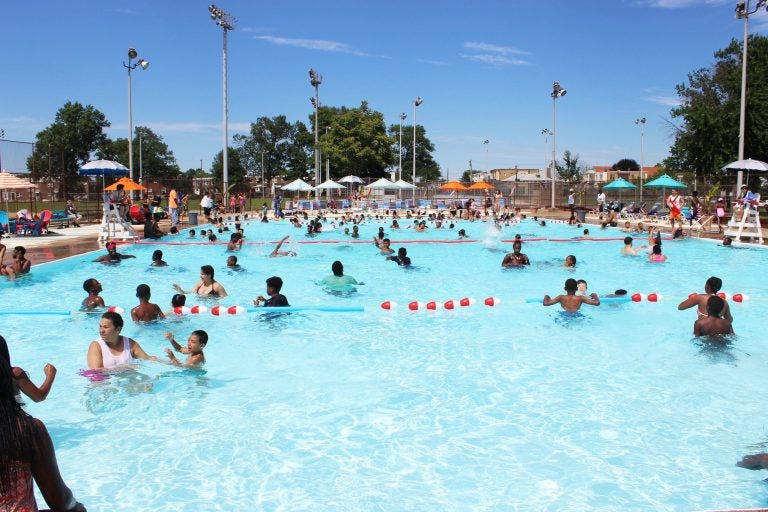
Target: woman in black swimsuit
207, 286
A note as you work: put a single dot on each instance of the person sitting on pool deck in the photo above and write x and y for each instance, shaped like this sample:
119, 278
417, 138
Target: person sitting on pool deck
20, 265
93, 287
157, 259
383, 246
515, 258
570, 301
145, 311
711, 287
195, 345
338, 280
112, 255
276, 300
111, 349
713, 323
207, 286
402, 258
628, 249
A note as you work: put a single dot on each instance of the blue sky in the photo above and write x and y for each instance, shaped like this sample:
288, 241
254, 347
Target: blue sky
485, 69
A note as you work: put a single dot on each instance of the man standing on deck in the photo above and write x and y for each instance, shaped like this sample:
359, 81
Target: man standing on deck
173, 206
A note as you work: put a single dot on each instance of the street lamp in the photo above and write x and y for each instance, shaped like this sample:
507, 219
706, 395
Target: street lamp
487, 170
641, 122
131, 66
227, 22
416, 103
327, 157
316, 79
743, 12
403, 117
557, 92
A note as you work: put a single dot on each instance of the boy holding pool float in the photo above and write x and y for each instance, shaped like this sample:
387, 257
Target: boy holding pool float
195, 345
570, 301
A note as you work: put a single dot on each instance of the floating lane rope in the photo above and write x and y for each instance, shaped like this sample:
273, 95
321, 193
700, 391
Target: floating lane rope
389, 305
196, 310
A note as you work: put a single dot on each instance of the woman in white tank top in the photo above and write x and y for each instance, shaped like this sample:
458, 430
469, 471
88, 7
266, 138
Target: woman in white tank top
111, 349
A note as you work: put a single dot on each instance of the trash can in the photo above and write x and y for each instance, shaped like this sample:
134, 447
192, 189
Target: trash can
192, 218
581, 215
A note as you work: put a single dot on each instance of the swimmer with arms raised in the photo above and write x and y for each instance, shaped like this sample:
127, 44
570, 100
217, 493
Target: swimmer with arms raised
570, 301
713, 323
195, 345
277, 252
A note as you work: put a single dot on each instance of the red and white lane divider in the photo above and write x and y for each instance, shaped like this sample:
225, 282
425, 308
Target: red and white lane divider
651, 297
434, 305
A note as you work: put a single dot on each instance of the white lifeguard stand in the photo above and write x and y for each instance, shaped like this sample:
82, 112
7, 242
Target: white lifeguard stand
115, 228
747, 225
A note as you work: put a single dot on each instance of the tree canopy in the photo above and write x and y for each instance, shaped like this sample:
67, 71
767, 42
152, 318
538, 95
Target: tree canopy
64, 146
626, 164
570, 171
426, 167
235, 170
151, 158
707, 136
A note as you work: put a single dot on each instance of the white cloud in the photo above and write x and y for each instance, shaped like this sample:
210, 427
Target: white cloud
670, 101
681, 4
486, 47
313, 44
433, 62
496, 60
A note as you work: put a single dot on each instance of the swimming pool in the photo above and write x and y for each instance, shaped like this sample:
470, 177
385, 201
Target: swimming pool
515, 406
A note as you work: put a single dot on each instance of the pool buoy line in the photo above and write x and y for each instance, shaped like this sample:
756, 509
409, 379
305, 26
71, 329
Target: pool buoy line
387, 305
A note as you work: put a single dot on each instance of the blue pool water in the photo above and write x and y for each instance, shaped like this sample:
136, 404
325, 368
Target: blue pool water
513, 407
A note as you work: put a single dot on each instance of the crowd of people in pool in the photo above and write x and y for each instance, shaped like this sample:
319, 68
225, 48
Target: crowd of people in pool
29, 445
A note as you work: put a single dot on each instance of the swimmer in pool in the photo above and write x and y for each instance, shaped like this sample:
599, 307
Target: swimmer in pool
112, 255
145, 311
276, 253
111, 349
713, 323
232, 264
570, 261
337, 279
194, 349
711, 287
581, 287
235, 242
157, 259
276, 299
20, 264
656, 256
628, 249
515, 258
402, 258
93, 287
384, 246
570, 301
207, 286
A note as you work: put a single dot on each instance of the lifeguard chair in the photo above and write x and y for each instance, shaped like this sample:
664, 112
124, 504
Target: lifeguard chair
746, 225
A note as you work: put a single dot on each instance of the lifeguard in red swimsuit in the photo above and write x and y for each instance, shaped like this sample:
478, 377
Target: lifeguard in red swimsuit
675, 203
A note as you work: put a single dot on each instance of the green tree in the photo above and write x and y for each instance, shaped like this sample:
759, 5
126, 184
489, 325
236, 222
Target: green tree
357, 142
570, 171
708, 134
286, 148
196, 172
467, 176
237, 176
426, 167
626, 164
64, 146
155, 161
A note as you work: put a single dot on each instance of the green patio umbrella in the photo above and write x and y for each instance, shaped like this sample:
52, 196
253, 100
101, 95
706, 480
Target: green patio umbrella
663, 182
619, 184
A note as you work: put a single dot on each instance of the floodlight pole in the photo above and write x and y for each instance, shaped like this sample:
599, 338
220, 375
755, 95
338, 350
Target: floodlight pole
742, 11
227, 22
132, 54
557, 92
641, 122
316, 79
416, 103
